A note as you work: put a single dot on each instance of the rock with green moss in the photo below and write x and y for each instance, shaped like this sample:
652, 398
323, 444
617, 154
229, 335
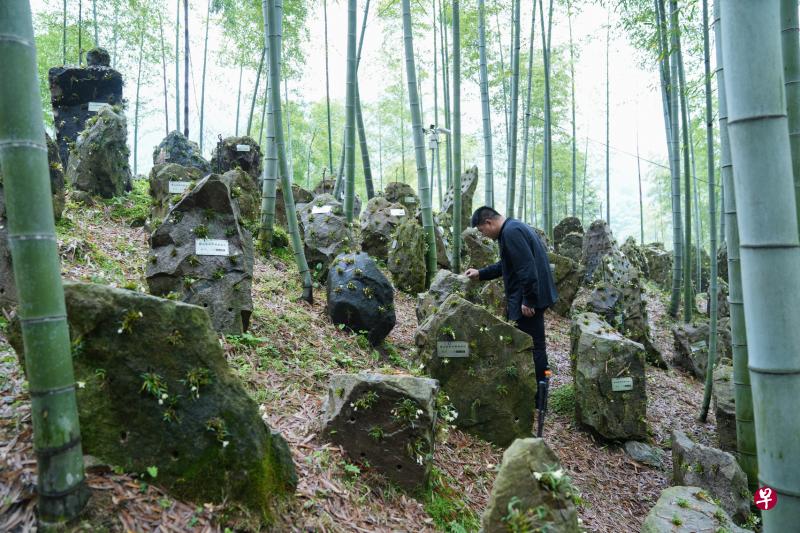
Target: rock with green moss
567, 275
300, 197
492, 296
659, 265
598, 241
609, 377
684, 509
175, 148
567, 226
378, 221
407, 257
386, 420
398, 192
443, 229
245, 192
531, 492
725, 408
444, 284
571, 246
714, 470
168, 183
636, 256
154, 389
479, 251
469, 182
485, 366
326, 233
691, 346
98, 164
202, 255
241, 153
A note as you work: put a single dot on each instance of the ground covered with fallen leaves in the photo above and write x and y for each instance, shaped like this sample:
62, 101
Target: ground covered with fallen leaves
285, 362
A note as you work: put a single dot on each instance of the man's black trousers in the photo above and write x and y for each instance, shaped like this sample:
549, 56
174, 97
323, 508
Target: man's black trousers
534, 326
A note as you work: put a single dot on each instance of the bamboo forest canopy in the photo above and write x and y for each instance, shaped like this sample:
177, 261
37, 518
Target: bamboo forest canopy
223, 86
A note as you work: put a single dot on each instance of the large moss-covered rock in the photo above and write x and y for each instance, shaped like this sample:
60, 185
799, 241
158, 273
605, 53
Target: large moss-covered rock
168, 182
407, 257
360, 296
610, 386
154, 389
216, 275
523, 497
238, 152
687, 510
598, 242
247, 196
571, 246
75, 94
568, 276
480, 251
691, 346
378, 222
635, 255
386, 420
493, 385
492, 296
714, 470
443, 229
398, 192
565, 227
300, 196
326, 232
659, 265
444, 284
99, 162
469, 182
175, 148
725, 408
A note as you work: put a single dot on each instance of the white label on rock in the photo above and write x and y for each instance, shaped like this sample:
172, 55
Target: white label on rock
211, 247
621, 384
321, 209
397, 212
242, 147
178, 187
697, 346
452, 349
409, 200
94, 107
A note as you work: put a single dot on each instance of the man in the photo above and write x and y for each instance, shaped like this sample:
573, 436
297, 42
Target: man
527, 277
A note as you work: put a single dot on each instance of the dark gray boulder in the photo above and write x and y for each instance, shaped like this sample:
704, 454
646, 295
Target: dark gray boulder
645, 454
98, 164
725, 408
398, 192
635, 255
567, 275
300, 196
325, 186
659, 265
565, 227
202, 255
523, 498
360, 296
687, 509
711, 469
609, 377
238, 152
154, 389
469, 182
175, 148
443, 284
485, 366
407, 257
480, 251
691, 346
571, 246
443, 229
326, 232
598, 242
247, 196
386, 420
168, 183
378, 221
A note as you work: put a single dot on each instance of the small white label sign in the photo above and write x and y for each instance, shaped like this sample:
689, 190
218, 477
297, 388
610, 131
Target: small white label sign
94, 107
211, 247
321, 209
452, 349
409, 200
178, 187
697, 346
397, 212
621, 384
242, 147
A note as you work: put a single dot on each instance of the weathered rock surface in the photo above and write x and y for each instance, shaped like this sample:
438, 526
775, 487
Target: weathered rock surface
72, 90
387, 420
325, 186
469, 182
635, 255
568, 276
407, 257
493, 386
565, 227
493, 297
238, 152
687, 510
99, 162
182, 263
722, 261
326, 232
378, 222
247, 196
691, 346
659, 265
56, 168
398, 192
528, 467
604, 360
598, 242
711, 469
725, 408
443, 284
572, 246
480, 251
175, 148
155, 389
645, 454
300, 196
443, 226
360, 296
165, 178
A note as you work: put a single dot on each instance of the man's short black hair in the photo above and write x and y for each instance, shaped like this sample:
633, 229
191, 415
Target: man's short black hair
482, 214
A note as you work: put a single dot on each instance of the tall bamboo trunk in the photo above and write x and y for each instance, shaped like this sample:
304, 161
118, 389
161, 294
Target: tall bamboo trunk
547, 166
255, 90
203, 83
572, 93
641, 204
289, 155
136, 109
505, 88
114, 41
677, 222
80, 33
698, 226
64, 36
362, 132
264, 102
269, 172
350, 113
308, 159
239, 96
608, 120
286, 182
402, 129
790, 46
436, 108
164, 72
419, 145
456, 261
61, 487
527, 122
177, 64
512, 157
186, 68
446, 88
488, 164
94, 22
688, 298
328, 89
770, 253
583, 187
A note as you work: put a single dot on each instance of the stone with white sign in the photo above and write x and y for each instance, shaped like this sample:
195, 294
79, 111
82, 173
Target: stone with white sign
691, 346
401, 193
621, 384
167, 182
238, 152
469, 183
201, 254
378, 221
326, 233
452, 349
176, 148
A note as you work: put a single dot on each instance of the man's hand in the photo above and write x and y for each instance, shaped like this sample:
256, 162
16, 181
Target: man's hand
472, 274
528, 311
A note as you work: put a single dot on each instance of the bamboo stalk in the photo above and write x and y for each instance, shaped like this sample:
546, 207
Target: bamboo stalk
488, 164
328, 89
203, 83
350, 113
186, 68
527, 123
136, 109
164, 69
512, 156
790, 48
456, 260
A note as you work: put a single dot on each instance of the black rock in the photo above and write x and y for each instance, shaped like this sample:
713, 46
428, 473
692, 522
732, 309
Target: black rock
238, 152
175, 148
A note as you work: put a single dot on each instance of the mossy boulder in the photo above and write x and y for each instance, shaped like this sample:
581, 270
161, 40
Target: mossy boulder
492, 296
443, 229
407, 257
571, 246
175, 148
691, 346
378, 221
154, 389
386, 420
598, 241
166, 180
444, 284
326, 233
725, 408
479, 251
568, 276
635, 255
398, 192
531, 492
469, 182
485, 366
687, 509
609, 377
241, 153
659, 265
245, 192
565, 227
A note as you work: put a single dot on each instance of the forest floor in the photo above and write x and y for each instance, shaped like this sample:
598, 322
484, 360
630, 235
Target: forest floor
285, 362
